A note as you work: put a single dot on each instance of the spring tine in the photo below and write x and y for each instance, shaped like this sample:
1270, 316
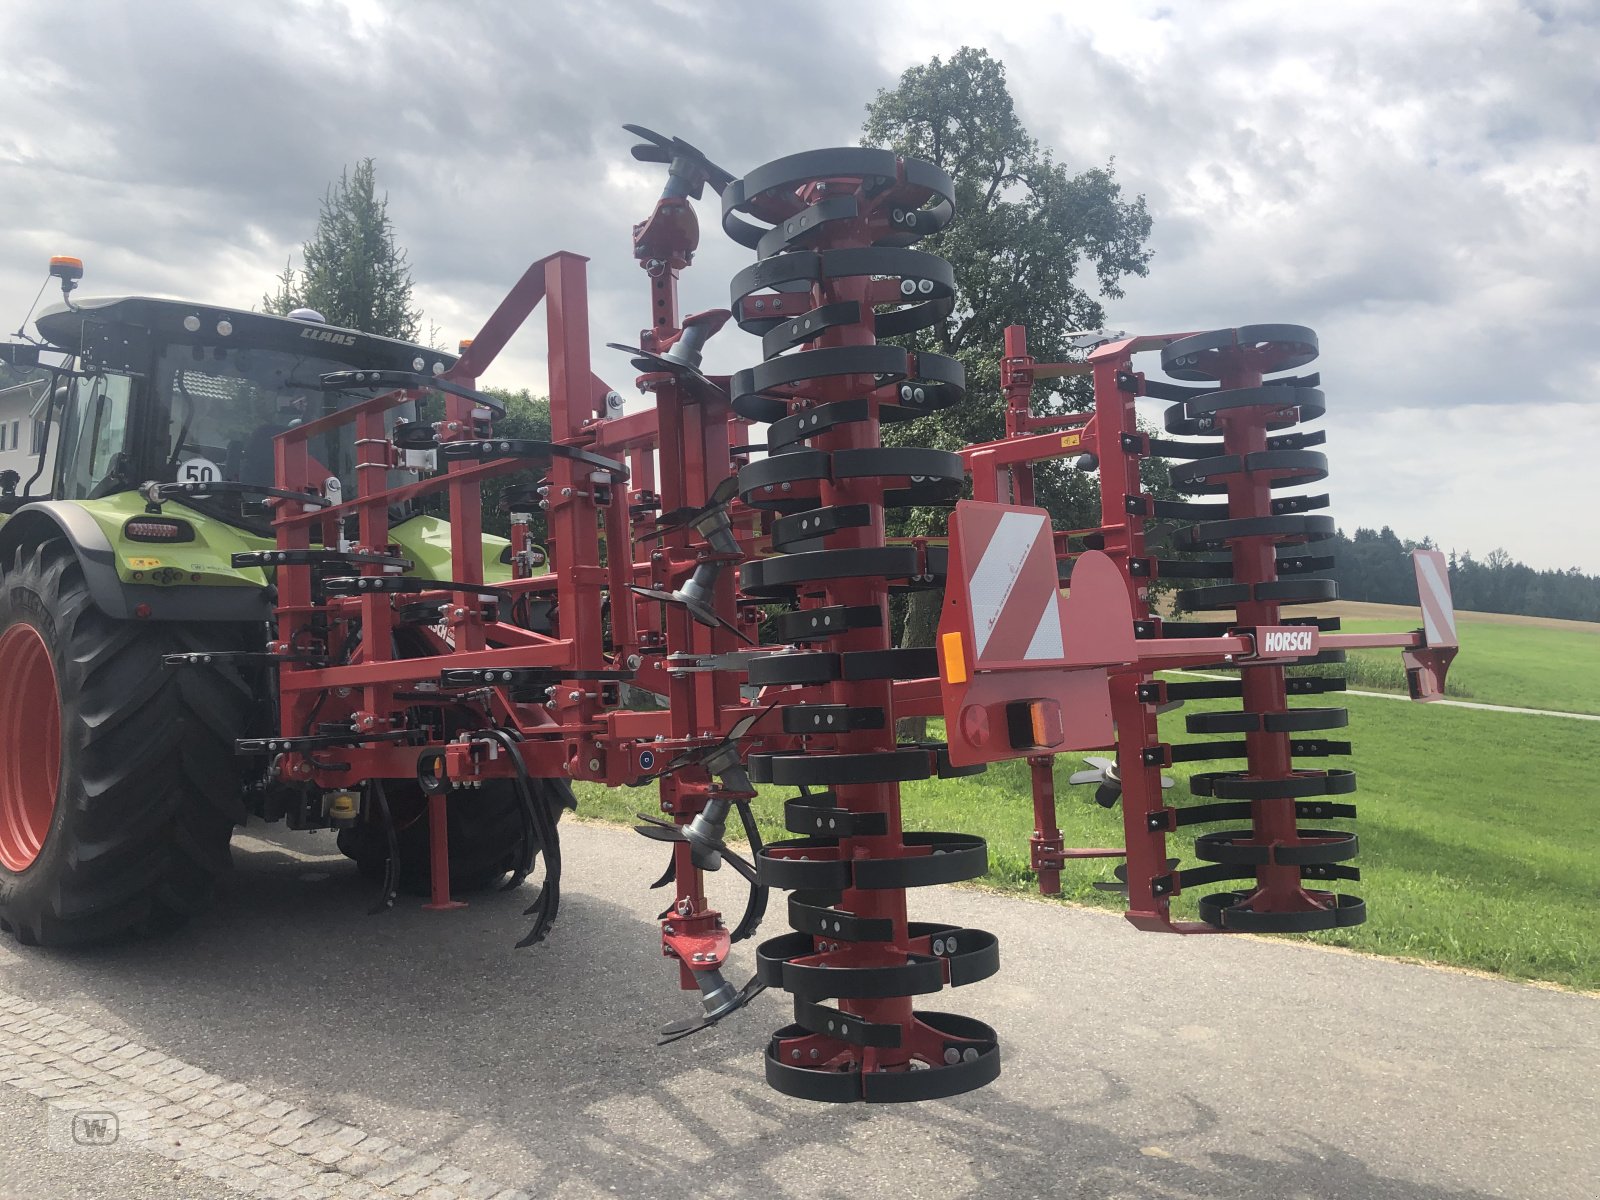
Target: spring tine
391, 870
670, 875
525, 863
756, 904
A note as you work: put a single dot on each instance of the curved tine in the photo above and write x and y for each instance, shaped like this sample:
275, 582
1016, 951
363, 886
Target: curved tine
744, 724
657, 834
677, 1030
658, 149
756, 904
739, 863
716, 176
723, 623
678, 518
543, 923
391, 871
724, 492
1119, 880
525, 863
548, 902
687, 759
670, 875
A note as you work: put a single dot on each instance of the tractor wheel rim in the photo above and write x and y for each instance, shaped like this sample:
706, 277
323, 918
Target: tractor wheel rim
30, 745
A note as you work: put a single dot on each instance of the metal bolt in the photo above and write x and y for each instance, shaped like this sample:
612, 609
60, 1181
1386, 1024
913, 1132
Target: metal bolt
574, 696
633, 662
594, 764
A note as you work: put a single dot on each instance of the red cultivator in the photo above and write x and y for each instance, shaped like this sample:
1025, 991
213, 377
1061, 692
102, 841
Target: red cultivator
748, 588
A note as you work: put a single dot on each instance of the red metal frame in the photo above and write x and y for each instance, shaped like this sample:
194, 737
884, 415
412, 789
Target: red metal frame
1096, 689
579, 733
1003, 471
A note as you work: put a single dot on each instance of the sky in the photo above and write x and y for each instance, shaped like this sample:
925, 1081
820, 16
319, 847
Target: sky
1420, 184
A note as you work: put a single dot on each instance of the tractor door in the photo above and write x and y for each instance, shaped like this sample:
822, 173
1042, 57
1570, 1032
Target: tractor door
95, 424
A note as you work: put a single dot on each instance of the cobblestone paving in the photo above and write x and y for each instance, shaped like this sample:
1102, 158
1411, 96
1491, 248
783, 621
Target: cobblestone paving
94, 1082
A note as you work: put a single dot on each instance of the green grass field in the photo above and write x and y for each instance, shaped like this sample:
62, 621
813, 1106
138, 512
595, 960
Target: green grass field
1525, 666
1480, 843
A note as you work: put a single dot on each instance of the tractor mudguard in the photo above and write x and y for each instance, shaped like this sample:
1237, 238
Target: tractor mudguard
425, 539
112, 595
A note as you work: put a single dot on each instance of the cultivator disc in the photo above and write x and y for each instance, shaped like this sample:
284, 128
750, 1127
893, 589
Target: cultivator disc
832, 231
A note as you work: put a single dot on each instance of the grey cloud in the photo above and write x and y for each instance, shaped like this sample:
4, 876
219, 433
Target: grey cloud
1422, 191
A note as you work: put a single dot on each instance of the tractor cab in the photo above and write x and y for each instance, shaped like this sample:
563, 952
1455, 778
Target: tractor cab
166, 391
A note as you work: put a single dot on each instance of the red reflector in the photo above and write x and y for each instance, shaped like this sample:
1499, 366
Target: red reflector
153, 529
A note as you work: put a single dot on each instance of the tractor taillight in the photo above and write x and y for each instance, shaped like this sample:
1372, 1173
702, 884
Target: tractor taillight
158, 529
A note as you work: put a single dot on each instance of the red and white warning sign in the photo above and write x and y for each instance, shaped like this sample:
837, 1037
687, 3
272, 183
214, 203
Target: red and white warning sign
1433, 590
1022, 668
1014, 589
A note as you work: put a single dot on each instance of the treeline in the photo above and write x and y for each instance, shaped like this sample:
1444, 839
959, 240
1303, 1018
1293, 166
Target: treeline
1375, 565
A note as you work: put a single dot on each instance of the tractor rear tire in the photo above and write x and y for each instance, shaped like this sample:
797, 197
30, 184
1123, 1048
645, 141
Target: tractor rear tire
119, 788
483, 828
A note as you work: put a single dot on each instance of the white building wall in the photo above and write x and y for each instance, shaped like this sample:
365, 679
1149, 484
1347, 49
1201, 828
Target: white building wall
17, 436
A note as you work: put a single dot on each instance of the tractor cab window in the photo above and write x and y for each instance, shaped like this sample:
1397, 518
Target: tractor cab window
222, 406
94, 436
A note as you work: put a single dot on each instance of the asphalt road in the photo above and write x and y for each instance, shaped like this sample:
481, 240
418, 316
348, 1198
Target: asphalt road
288, 1044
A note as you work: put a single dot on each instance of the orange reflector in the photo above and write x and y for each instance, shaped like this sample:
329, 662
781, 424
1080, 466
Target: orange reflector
1034, 724
955, 658
1047, 728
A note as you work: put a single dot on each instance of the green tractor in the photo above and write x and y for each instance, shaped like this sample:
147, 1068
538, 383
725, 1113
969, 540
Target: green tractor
120, 785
